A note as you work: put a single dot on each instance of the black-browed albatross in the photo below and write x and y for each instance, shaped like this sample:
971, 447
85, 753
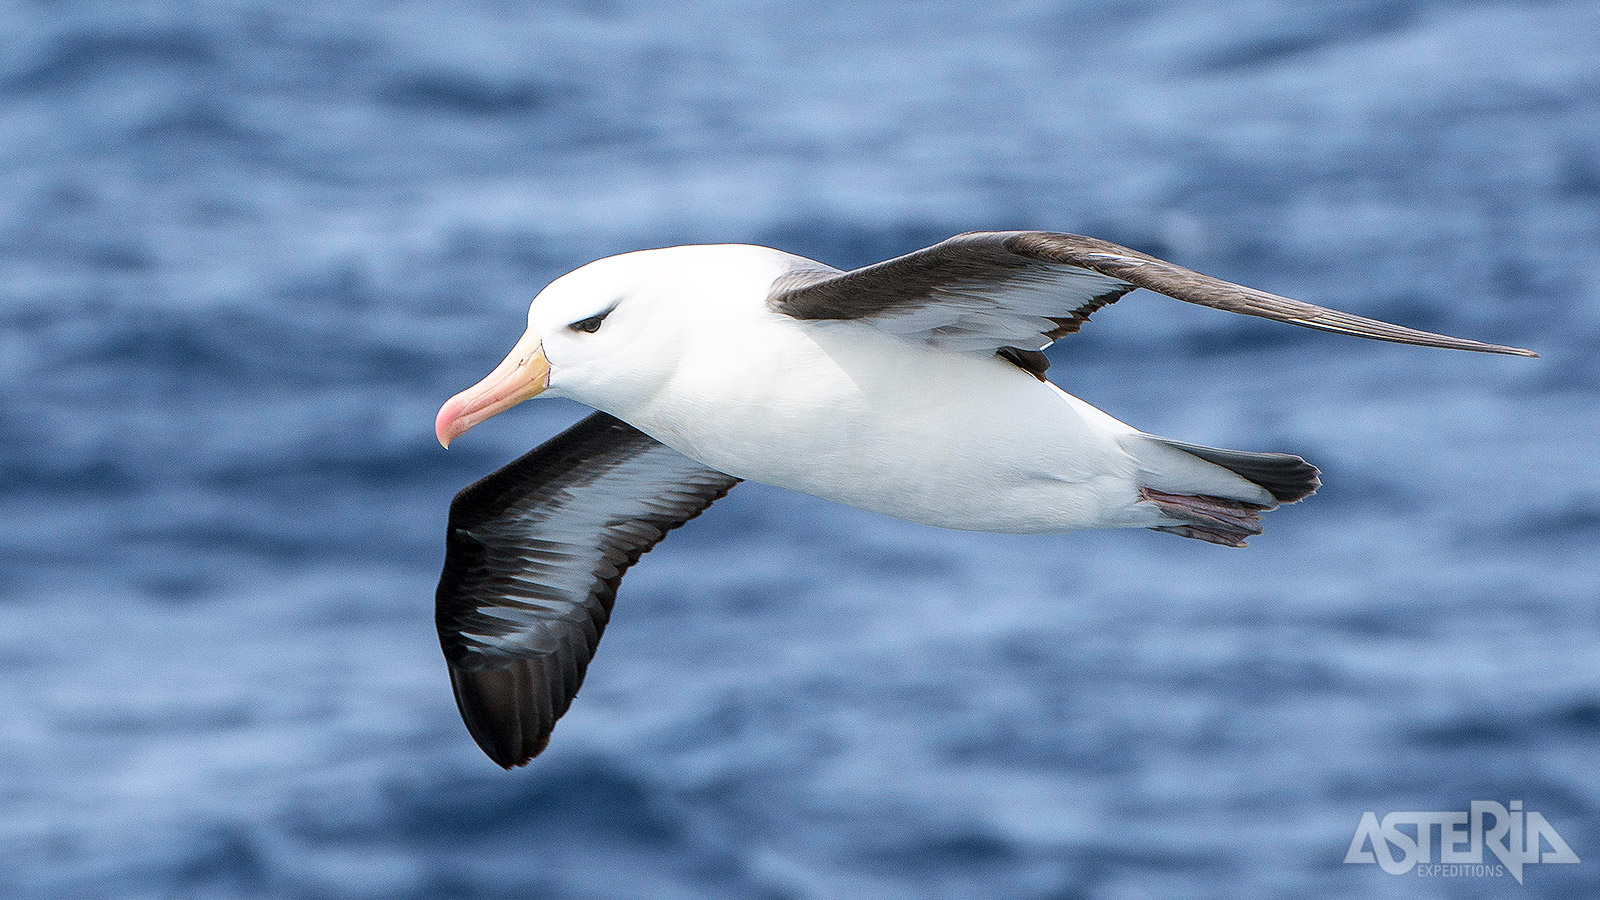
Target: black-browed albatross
913, 387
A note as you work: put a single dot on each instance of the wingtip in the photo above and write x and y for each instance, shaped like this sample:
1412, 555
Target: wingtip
507, 758
1507, 351
511, 761
495, 705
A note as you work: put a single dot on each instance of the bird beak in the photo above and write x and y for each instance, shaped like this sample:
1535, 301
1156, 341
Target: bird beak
521, 376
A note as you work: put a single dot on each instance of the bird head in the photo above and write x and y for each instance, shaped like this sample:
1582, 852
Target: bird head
611, 333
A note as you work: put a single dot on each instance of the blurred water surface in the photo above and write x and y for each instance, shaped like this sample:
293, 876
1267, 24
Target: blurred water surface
247, 248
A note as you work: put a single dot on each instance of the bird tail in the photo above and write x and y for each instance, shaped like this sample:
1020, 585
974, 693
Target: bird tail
1216, 495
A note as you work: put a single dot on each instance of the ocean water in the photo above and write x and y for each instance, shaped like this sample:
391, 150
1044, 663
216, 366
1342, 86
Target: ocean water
247, 248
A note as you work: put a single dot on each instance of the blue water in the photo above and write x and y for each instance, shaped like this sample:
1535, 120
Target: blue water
247, 248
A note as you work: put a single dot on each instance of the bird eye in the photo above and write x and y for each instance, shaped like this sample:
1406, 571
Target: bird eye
591, 324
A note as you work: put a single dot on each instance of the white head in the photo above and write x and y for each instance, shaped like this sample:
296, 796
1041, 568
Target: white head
610, 334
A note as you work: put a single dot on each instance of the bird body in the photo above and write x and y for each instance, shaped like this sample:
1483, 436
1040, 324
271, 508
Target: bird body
1021, 456
849, 413
914, 387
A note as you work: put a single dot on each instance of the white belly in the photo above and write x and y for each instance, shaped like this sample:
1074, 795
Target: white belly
953, 440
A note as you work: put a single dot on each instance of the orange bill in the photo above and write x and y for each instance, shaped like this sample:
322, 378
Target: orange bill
523, 374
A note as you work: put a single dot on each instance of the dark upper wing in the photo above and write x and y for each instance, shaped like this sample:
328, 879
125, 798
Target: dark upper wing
533, 557
1020, 290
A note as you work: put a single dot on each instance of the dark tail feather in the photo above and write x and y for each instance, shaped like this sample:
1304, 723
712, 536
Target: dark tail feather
1224, 520
1287, 477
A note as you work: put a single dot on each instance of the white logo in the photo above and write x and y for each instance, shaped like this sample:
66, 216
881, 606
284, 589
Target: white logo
1513, 837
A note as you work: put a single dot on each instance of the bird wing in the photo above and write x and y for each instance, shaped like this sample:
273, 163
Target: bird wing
1015, 292
533, 557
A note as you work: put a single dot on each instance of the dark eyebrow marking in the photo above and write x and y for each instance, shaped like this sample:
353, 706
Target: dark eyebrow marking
592, 323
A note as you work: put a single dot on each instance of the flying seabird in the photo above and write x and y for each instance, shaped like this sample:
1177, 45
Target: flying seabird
913, 387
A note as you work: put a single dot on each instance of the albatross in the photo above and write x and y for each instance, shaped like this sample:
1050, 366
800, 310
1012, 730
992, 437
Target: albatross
913, 387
